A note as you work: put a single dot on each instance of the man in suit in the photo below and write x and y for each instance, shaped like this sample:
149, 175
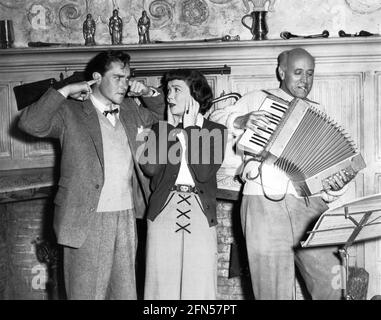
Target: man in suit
101, 189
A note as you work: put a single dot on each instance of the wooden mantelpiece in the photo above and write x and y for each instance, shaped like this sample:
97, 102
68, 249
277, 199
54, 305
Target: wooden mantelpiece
234, 53
30, 184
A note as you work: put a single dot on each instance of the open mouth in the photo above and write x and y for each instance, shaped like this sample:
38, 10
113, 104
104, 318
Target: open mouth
171, 105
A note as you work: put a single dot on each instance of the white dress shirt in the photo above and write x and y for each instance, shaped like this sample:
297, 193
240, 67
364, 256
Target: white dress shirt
102, 108
184, 176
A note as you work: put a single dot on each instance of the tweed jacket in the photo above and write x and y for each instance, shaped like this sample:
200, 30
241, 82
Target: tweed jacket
76, 125
205, 154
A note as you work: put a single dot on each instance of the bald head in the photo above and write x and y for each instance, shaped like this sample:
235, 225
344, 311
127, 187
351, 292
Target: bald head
290, 55
296, 71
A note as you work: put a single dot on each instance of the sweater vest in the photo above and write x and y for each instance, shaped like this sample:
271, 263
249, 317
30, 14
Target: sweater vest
116, 193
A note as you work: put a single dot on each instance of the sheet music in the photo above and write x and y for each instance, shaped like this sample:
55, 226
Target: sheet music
333, 227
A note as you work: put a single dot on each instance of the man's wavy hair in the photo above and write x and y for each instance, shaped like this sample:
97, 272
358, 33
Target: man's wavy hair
197, 83
102, 61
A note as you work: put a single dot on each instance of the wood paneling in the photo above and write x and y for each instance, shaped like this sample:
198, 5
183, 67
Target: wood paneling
377, 116
5, 115
340, 96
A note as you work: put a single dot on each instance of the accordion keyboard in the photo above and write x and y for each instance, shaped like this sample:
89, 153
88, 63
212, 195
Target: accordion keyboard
255, 142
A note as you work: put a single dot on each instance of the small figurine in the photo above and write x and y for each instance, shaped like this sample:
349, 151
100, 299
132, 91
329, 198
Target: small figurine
144, 24
89, 30
115, 27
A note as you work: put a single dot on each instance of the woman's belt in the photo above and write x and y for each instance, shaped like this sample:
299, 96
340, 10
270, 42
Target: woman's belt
184, 188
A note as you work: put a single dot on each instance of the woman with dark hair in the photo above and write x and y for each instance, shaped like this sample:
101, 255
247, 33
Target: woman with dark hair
186, 152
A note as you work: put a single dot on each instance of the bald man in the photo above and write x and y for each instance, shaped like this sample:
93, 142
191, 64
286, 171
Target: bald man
274, 218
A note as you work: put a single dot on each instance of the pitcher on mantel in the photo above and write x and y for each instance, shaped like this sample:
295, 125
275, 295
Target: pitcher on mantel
258, 26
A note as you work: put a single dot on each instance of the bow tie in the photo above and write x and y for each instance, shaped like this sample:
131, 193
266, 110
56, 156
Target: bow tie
116, 110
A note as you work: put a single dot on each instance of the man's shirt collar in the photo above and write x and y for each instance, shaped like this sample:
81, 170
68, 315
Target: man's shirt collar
101, 106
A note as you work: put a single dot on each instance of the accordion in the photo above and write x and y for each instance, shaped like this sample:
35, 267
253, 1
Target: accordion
303, 142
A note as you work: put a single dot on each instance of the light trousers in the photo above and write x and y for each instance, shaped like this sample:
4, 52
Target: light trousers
273, 231
104, 266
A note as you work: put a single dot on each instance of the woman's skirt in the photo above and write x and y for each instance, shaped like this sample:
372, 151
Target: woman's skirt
181, 252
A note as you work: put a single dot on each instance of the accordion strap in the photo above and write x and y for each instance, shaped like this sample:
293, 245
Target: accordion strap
263, 188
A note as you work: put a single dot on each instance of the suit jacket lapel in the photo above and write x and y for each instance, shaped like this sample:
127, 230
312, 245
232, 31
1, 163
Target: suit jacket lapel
93, 127
130, 125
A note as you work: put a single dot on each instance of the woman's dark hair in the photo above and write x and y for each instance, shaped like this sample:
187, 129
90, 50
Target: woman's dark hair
197, 83
101, 62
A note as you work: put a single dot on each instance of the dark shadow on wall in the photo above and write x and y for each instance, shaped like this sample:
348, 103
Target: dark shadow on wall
239, 265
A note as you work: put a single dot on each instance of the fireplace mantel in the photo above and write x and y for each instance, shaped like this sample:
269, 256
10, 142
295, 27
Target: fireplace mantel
164, 55
38, 183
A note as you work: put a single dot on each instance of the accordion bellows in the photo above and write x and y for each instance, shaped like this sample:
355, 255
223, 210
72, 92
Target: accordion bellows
304, 143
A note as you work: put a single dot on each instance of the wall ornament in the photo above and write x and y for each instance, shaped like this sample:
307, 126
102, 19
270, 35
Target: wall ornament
364, 6
161, 13
195, 12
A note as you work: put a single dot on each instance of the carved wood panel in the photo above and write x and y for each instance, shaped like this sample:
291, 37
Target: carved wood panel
35, 148
25, 151
377, 116
5, 121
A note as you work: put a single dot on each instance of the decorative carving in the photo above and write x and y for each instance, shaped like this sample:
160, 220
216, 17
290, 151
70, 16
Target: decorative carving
377, 112
5, 141
161, 13
12, 4
67, 14
195, 12
259, 5
364, 6
39, 17
220, 1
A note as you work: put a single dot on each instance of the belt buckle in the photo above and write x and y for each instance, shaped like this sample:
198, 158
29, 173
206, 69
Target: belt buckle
184, 188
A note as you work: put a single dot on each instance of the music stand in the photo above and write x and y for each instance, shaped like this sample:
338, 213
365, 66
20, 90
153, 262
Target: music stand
354, 221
